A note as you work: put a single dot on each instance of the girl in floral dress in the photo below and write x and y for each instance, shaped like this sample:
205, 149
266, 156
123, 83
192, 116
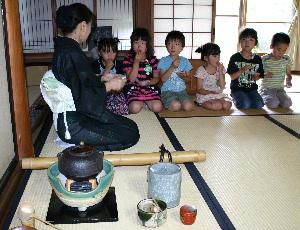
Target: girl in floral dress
211, 79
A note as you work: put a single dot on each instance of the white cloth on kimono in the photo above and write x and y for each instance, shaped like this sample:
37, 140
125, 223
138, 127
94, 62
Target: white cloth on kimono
58, 97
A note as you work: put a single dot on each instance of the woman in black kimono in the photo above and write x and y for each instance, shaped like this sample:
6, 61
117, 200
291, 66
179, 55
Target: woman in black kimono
89, 120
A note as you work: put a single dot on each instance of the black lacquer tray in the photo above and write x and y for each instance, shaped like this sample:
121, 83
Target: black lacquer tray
105, 211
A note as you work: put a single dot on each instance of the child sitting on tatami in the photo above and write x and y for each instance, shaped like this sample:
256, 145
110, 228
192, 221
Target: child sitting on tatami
107, 68
174, 69
277, 65
245, 68
211, 79
142, 74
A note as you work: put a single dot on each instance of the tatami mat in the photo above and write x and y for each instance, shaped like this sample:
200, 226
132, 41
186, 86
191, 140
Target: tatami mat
252, 168
150, 131
130, 184
201, 112
291, 122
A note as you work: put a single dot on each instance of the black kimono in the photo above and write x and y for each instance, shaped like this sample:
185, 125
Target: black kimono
91, 123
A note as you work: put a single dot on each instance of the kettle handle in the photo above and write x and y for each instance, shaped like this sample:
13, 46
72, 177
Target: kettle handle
162, 151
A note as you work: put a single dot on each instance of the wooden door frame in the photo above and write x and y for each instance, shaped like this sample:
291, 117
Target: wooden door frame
17, 80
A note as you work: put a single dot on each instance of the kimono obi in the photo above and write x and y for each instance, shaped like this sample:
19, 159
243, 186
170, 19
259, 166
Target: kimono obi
58, 97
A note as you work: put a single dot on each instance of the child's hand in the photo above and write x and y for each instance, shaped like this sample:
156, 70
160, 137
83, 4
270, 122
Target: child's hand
221, 67
143, 83
176, 62
139, 56
255, 76
245, 68
184, 74
288, 82
268, 75
214, 92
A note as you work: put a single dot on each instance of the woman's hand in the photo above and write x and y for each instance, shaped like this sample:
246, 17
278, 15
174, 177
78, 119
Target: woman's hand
106, 77
115, 84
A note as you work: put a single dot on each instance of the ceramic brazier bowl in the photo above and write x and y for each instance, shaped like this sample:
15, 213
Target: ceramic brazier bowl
81, 200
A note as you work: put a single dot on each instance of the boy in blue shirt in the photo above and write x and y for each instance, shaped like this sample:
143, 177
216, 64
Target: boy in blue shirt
173, 70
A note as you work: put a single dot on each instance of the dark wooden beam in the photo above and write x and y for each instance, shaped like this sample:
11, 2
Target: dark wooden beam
53, 10
143, 14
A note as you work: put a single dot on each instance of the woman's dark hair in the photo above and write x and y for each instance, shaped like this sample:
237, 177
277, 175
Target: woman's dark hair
143, 34
68, 17
107, 44
249, 33
175, 35
280, 38
208, 49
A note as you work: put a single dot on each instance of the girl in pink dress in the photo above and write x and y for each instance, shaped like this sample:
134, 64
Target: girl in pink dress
142, 74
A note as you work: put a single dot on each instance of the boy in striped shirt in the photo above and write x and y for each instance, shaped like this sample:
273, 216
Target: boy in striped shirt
277, 66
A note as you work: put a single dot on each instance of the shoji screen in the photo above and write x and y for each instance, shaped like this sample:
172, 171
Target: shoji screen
269, 17
192, 17
227, 28
37, 28
119, 15
36, 25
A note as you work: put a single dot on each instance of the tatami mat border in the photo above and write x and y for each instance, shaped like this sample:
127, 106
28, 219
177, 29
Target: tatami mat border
279, 124
215, 207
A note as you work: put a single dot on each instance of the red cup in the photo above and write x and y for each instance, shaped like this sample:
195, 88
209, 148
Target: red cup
188, 214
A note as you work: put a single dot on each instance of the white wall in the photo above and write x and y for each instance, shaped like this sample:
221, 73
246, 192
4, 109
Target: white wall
6, 137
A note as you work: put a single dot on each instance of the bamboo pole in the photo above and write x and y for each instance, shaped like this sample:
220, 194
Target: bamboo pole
178, 157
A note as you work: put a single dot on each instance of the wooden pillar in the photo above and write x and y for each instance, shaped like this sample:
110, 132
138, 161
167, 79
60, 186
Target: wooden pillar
143, 14
16, 73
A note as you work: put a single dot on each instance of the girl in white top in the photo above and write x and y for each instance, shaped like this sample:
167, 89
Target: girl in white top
211, 79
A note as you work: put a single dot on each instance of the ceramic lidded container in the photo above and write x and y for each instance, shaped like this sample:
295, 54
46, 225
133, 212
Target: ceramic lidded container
164, 183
